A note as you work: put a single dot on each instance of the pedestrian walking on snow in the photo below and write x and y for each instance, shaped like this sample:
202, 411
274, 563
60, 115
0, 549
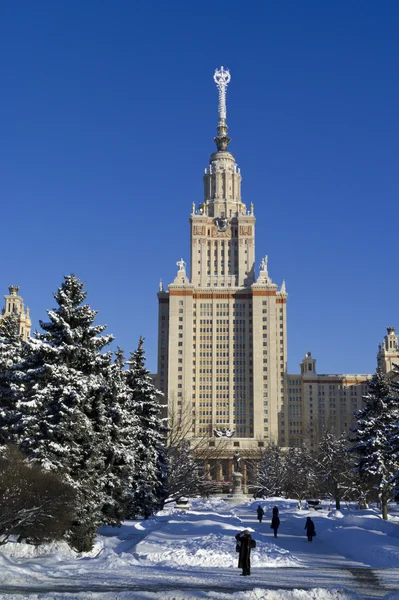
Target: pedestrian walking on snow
310, 529
275, 511
245, 544
260, 512
275, 524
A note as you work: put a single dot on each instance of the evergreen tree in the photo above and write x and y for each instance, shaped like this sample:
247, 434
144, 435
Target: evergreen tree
65, 425
9, 327
11, 355
374, 438
118, 477
150, 470
394, 442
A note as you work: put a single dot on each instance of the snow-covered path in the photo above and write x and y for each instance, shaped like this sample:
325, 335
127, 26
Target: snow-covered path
292, 538
325, 564
184, 555
221, 584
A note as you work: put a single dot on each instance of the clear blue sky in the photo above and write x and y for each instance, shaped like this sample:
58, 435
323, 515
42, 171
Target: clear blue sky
108, 113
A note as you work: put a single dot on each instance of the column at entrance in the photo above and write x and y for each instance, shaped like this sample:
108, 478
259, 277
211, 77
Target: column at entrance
244, 478
207, 469
229, 470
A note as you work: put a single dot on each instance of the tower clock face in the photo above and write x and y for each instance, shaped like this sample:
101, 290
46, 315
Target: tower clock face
221, 223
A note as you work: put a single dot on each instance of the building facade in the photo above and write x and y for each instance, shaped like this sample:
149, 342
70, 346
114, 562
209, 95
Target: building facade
318, 401
222, 358
15, 305
222, 349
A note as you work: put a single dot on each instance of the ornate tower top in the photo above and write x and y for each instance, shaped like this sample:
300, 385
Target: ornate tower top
388, 351
13, 289
222, 78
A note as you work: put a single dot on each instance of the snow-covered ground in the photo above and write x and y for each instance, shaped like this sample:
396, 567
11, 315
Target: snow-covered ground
184, 554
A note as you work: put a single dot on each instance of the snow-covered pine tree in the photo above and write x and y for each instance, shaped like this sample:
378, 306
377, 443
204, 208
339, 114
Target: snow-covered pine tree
150, 469
11, 354
374, 437
118, 476
394, 442
65, 425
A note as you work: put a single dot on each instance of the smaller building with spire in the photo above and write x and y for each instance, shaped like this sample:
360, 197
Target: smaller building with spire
316, 401
388, 352
15, 306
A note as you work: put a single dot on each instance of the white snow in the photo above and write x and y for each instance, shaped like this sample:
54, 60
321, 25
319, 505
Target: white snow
184, 554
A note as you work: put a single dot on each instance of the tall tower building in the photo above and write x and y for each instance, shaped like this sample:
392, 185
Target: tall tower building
222, 354
15, 305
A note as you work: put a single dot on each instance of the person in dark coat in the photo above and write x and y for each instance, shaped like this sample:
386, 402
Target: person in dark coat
245, 543
275, 511
275, 523
310, 529
260, 512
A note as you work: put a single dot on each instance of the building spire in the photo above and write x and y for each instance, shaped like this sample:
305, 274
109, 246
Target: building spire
222, 78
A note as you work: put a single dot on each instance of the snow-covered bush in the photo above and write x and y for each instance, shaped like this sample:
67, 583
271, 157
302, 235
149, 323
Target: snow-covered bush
35, 505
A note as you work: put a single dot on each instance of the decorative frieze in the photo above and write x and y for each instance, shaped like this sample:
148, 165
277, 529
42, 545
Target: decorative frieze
245, 229
199, 230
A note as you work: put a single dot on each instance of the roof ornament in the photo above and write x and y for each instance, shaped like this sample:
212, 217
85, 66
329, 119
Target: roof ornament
263, 263
222, 78
181, 264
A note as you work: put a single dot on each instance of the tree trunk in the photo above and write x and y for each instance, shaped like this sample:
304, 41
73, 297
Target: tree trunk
384, 507
338, 503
